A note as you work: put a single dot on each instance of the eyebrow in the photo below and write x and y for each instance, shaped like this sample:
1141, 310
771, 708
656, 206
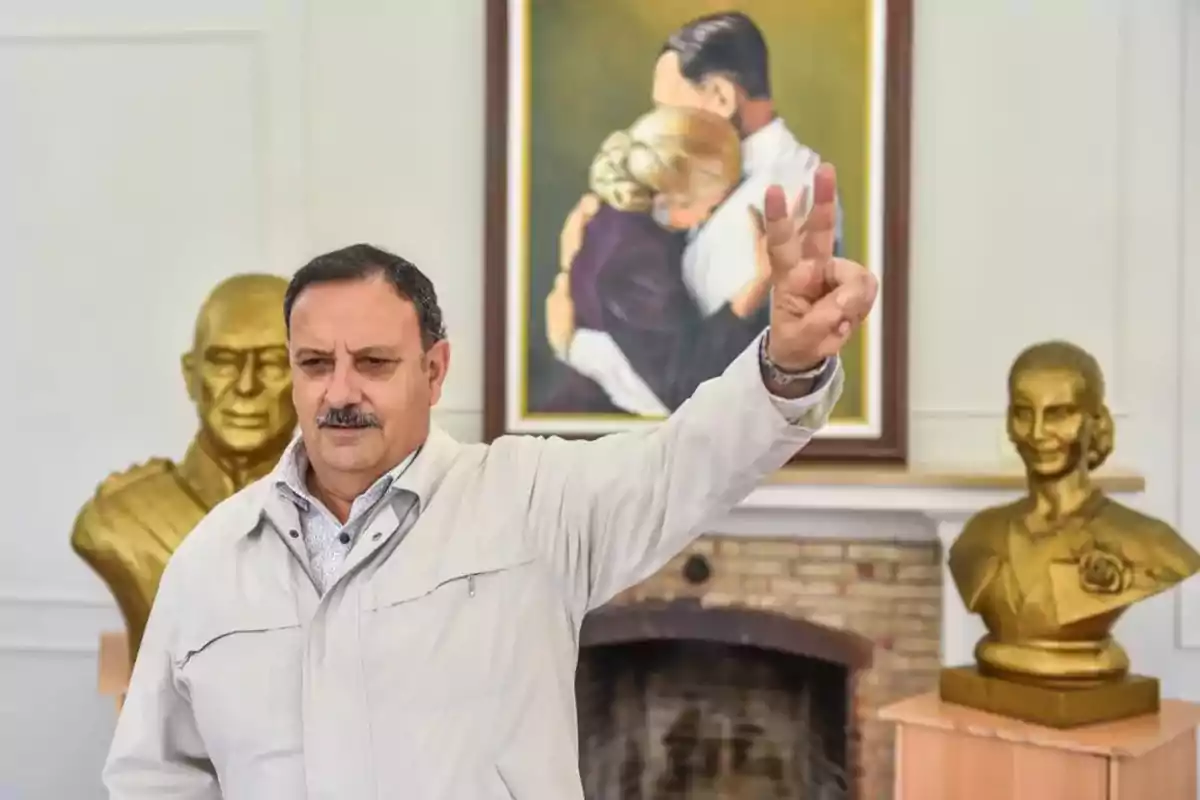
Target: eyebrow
311, 352
371, 351
376, 351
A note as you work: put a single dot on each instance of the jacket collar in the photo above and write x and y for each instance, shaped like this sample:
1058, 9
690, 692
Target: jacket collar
421, 478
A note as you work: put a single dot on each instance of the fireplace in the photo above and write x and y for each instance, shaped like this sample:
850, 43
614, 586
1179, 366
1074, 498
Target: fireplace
762, 654
752, 668
682, 702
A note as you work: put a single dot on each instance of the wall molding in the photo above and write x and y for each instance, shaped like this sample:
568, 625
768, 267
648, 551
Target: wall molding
63, 599
126, 35
1188, 467
930, 412
38, 647
989, 413
54, 622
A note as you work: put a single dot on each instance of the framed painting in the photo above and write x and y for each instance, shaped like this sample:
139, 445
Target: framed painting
613, 288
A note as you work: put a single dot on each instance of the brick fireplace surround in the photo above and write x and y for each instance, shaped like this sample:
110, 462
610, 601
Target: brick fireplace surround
752, 665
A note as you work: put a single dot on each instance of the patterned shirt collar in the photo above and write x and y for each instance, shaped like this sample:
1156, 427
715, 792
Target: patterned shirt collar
294, 466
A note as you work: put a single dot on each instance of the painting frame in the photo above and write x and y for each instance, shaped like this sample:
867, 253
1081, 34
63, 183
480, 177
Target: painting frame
888, 441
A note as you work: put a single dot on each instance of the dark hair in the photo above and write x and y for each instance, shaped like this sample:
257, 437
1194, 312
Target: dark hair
362, 261
727, 44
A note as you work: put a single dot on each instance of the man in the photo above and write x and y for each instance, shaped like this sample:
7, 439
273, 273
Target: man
237, 376
393, 614
719, 63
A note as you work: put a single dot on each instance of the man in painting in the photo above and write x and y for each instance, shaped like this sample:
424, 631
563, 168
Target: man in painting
718, 63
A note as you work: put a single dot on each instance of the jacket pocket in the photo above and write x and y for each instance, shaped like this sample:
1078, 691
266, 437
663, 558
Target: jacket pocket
389, 588
210, 634
452, 644
242, 674
502, 792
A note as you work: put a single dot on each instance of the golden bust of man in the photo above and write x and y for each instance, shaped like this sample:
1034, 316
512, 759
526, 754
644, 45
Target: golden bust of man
238, 377
1051, 573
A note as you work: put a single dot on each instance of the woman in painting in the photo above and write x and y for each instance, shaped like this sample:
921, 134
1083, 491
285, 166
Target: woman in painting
624, 291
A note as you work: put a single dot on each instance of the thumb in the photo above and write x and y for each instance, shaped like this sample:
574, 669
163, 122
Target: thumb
826, 321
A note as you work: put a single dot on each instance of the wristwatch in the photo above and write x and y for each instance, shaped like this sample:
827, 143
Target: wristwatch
782, 377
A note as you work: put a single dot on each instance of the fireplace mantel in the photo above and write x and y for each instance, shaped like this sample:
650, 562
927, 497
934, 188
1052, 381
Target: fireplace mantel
921, 504
932, 491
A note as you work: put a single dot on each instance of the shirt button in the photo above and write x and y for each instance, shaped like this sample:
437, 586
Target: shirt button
378, 535
344, 537
295, 534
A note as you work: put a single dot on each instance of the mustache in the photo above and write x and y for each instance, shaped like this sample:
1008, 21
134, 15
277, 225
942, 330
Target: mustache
347, 417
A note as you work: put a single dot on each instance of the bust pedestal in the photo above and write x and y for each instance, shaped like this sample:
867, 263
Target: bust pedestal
114, 666
1136, 695
947, 752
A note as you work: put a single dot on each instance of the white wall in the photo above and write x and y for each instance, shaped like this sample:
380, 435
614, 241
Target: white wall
1189, 324
147, 149
151, 149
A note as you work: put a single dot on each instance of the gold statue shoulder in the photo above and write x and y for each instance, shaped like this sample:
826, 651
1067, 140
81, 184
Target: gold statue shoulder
977, 554
119, 481
1157, 550
145, 502
984, 529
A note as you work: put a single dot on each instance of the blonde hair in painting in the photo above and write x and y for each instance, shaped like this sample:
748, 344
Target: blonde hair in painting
667, 151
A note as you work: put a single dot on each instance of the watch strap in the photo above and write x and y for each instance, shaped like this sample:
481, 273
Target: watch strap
782, 377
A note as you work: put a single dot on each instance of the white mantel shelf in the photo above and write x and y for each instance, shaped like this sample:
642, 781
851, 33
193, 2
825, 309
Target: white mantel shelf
933, 491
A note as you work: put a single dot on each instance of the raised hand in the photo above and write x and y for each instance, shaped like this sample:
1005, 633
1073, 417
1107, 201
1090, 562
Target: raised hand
817, 300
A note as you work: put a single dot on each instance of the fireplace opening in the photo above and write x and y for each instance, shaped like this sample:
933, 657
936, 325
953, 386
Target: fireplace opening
681, 702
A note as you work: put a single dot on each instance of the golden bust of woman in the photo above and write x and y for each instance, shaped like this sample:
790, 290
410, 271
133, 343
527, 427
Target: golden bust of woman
1051, 573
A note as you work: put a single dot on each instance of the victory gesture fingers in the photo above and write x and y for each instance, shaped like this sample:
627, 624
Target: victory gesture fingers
817, 300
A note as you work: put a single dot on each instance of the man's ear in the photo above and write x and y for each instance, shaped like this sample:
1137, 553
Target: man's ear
187, 363
720, 95
437, 361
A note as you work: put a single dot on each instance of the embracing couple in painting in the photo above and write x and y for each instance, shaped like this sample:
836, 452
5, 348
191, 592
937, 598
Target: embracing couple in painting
663, 272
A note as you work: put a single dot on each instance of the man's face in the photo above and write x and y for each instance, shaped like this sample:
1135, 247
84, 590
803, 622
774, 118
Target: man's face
237, 374
1048, 423
363, 384
716, 94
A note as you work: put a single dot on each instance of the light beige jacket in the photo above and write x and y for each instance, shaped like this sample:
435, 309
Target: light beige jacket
441, 666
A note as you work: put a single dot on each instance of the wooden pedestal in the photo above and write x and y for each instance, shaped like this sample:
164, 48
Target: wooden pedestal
114, 666
949, 752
